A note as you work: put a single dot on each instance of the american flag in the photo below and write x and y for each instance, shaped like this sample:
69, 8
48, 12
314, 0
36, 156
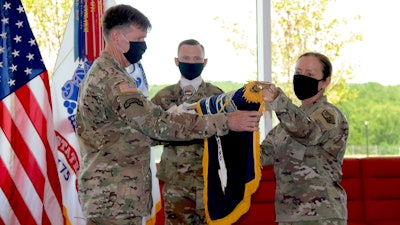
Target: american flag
30, 191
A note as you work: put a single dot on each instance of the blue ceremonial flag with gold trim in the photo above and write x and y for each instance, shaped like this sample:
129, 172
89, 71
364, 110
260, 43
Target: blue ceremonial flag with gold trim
231, 163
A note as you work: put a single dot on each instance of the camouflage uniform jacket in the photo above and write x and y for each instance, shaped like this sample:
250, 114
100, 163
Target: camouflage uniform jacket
307, 149
181, 162
114, 125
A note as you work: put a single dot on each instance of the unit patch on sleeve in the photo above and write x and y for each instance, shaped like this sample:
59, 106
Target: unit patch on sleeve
325, 117
328, 116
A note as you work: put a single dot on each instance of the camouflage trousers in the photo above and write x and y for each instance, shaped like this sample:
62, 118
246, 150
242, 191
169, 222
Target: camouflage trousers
318, 222
183, 206
114, 221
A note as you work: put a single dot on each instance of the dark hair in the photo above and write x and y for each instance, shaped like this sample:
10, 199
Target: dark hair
123, 16
324, 60
191, 42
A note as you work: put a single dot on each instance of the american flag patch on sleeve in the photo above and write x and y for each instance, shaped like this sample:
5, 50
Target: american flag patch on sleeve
127, 88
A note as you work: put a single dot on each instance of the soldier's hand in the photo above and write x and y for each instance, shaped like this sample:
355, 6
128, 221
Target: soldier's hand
270, 93
244, 120
172, 109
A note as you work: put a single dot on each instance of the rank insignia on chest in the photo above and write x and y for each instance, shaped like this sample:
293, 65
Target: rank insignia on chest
188, 90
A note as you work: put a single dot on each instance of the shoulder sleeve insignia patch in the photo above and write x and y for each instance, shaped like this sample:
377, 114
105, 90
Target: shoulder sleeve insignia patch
328, 117
132, 101
325, 117
127, 88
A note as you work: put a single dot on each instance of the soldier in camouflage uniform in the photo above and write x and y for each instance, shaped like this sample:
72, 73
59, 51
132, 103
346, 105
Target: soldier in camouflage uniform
307, 148
115, 124
181, 162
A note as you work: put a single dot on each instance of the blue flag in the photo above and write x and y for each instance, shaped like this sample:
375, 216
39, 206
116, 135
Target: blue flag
231, 163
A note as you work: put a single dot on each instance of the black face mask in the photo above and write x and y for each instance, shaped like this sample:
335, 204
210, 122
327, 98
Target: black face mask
191, 70
305, 86
135, 52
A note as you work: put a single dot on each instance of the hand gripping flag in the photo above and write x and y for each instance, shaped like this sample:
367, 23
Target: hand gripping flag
30, 191
231, 163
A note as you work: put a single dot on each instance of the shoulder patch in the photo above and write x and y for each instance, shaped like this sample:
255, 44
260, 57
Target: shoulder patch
328, 116
325, 117
132, 101
127, 88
